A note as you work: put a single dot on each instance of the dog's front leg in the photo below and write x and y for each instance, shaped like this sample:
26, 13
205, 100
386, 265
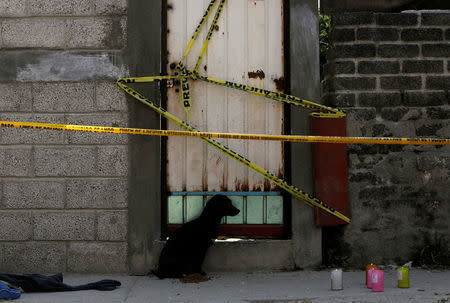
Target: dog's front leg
200, 257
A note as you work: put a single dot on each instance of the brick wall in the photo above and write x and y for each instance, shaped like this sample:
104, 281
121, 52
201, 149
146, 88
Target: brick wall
63, 196
391, 72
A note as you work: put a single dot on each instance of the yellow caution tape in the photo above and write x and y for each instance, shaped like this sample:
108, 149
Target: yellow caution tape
276, 96
208, 37
186, 97
235, 136
197, 30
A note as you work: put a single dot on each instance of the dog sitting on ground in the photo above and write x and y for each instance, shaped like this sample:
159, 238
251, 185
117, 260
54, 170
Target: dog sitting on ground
184, 252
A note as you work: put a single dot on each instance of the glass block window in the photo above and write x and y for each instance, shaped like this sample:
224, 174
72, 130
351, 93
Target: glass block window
255, 208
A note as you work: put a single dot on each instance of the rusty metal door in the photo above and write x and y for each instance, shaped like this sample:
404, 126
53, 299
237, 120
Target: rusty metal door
247, 48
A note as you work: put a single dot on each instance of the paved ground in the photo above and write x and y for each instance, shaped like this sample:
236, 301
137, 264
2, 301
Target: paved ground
286, 287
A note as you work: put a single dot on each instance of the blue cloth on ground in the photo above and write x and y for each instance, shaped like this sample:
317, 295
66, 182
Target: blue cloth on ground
8, 293
41, 283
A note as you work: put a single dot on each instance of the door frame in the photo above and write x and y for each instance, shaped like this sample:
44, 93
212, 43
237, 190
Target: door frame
287, 207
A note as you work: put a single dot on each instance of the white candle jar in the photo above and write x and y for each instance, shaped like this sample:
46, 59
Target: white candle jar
336, 279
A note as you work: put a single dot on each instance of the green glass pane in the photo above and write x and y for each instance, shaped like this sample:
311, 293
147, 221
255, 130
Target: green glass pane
274, 209
175, 209
194, 207
238, 202
255, 209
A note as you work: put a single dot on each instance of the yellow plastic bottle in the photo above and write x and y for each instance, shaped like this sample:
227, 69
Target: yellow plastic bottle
403, 277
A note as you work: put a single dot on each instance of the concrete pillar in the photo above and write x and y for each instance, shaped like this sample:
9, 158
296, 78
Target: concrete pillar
305, 83
144, 202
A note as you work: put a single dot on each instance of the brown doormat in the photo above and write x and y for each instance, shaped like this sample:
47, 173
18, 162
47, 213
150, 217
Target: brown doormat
194, 278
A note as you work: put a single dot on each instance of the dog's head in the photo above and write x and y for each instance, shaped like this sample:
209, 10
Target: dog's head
220, 206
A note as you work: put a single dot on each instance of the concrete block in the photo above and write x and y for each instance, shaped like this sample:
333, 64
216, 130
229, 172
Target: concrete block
339, 67
84, 257
395, 129
110, 97
34, 32
97, 193
394, 114
15, 161
434, 18
59, 7
380, 99
403, 19
32, 136
353, 51
12, 8
15, 225
339, 100
342, 34
377, 34
422, 34
378, 67
63, 97
113, 160
352, 83
112, 225
438, 82
67, 225
65, 161
398, 50
425, 98
34, 257
436, 50
401, 82
105, 119
15, 97
429, 128
377, 192
33, 194
423, 66
440, 113
110, 7
99, 32
364, 177
361, 114
429, 162
355, 18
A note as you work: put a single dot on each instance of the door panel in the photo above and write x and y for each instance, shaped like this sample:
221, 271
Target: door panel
247, 48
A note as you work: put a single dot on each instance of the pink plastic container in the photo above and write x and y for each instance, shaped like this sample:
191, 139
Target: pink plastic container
377, 280
369, 277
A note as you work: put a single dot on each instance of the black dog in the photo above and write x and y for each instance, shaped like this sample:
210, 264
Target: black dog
185, 250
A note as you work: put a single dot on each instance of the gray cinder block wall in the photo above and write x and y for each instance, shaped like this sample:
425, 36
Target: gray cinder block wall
63, 196
391, 72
